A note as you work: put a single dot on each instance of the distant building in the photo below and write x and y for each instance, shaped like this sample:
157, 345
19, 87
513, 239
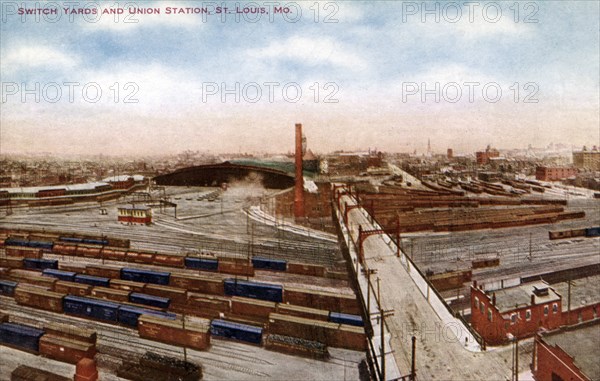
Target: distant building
135, 214
585, 159
567, 354
483, 157
450, 153
554, 173
310, 162
521, 310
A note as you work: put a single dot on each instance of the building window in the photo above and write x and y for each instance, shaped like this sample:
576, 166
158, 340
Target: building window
489, 314
554, 308
546, 309
481, 308
476, 302
513, 318
528, 315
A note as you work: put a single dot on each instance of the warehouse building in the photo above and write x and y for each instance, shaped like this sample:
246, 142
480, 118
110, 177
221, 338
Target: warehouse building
522, 310
564, 355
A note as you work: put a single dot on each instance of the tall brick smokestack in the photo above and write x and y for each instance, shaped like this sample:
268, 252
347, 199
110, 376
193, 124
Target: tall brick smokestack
299, 187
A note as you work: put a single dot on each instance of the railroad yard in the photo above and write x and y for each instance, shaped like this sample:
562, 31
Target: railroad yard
213, 280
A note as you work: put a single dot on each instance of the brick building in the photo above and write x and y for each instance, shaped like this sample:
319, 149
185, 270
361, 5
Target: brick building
554, 173
522, 310
483, 157
568, 354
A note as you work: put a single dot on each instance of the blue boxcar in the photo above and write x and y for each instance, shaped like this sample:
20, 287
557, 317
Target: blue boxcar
145, 276
102, 242
23, 242
269, 264
70, 239
255, 290
340, 318
592, 232
201, 263
60, 274
21, 336
7, 287
92, 280
40, 264
93, 308
149, 300
129, 315
236, 331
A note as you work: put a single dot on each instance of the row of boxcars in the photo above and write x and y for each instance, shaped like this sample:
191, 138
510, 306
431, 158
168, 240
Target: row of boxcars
585, 232
177, 285
234, 266
118, 250
104, 310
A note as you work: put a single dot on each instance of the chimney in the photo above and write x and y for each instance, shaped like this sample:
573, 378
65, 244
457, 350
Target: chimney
494, 299
299, 186
533, 299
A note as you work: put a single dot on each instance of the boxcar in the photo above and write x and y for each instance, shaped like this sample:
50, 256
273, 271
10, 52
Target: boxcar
149, 300
92, 280
269, 264
202, 263
40, 264
21, 336
129, 315
28, 243
92, 308
255, 290
101, 242
7, 287
145, 276
70, 239
592, 232
341, 318
242, 332
62, 275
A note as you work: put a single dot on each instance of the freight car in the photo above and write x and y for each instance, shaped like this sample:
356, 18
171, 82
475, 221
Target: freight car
91, 308
149, 300
254, 290
129, 315
269, 264
62, 275
242, 332
45, 245
145, 276
592, 232
7, 287
92, 280
206, 264
40, 264
21, 336
341, 318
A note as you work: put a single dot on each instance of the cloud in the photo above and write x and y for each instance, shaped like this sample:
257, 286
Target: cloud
37, 57
311, 52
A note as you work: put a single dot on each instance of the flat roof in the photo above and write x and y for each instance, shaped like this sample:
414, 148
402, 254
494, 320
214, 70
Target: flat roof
580, 344
584, 291
135, 207
512, 298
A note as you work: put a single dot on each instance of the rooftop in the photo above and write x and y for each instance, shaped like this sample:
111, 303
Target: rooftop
584, 291
579, 344
512, 298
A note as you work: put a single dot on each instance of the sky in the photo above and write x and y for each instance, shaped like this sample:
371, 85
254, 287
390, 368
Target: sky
388, 75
